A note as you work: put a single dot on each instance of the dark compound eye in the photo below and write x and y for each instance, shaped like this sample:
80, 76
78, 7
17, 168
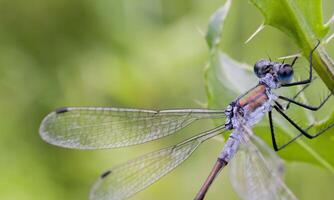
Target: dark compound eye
261, 68
285, 73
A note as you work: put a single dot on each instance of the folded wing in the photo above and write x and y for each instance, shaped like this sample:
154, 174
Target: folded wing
127, 179
103, 127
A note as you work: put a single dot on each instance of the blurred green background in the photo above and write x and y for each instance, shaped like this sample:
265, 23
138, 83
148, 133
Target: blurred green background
121, 53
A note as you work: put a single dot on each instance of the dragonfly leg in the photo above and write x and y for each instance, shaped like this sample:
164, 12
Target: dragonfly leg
273, 139
306, 81
301, 130
272, 131
297, 94
314, 108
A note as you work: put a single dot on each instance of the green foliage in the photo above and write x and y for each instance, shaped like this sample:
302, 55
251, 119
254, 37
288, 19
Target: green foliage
227, 78
120, 53
302, 21
215, 26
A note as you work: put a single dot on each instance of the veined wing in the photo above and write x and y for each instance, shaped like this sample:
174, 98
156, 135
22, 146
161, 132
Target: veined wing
256, 171
125, 180
103, 127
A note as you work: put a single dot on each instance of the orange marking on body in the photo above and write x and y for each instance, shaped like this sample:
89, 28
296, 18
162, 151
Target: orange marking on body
257, 102
254, 98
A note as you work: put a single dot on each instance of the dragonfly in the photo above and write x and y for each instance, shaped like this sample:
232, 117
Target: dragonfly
256, 171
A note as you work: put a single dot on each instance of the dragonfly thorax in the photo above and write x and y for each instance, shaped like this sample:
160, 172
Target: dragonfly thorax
270, 81
251, 106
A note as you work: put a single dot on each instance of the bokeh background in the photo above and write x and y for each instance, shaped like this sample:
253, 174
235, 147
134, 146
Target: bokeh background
121, 53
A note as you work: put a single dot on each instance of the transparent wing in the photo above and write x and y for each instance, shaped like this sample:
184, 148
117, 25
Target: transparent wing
256, 172
131, 177
98, 127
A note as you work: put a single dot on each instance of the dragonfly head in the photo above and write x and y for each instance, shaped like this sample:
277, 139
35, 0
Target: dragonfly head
281, 73
284, 73
262, 67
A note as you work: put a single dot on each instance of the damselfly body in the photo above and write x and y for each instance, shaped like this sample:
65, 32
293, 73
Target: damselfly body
256, 170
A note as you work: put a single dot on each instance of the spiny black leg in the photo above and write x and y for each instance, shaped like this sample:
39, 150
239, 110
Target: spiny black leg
289, 142
297, 94
323, 130
304, 132
272, 131
293, 123
279, 105
279, 108
273, 138
310, 75
314, 108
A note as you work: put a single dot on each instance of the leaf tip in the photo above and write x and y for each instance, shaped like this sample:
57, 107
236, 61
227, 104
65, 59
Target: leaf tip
215, 26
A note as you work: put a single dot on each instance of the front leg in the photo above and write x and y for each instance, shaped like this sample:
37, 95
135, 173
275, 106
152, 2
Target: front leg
310, 74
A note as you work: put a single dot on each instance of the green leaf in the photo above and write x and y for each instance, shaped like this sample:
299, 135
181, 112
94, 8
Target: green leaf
222, 83
302, 21
213, 38
226, 79
224, 90
215, 26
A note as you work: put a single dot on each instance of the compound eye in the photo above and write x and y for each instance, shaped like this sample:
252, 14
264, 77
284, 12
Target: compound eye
285, 74
261, 68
